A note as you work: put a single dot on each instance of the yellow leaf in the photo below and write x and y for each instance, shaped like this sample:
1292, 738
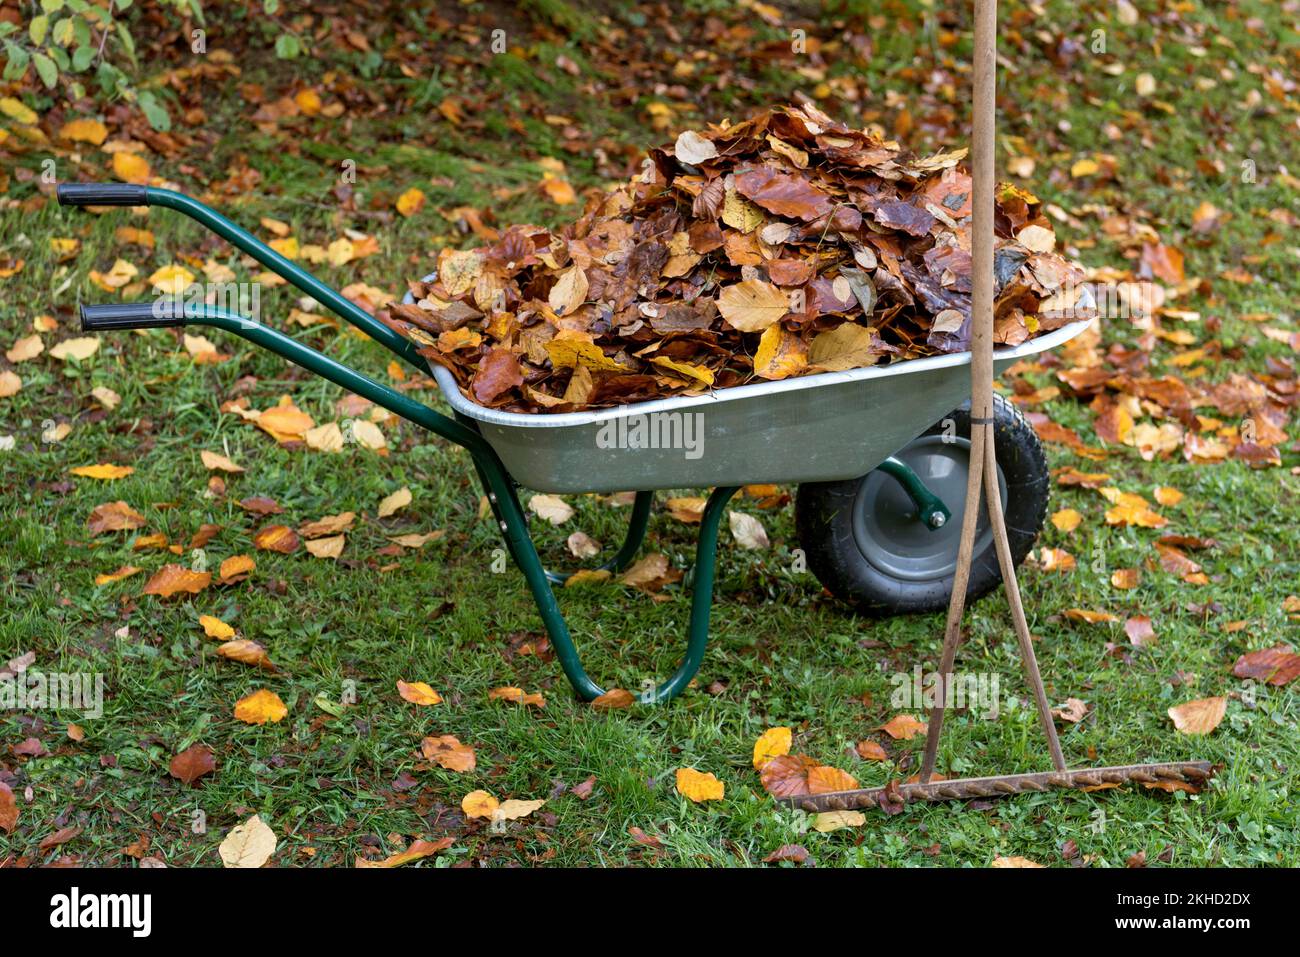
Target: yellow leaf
478, 804
103, 471
773, 743
131, 168
9, 384
780, 354
569, 350
1066, 520
16, 110
699, 786
84, 130
417, 692
1168, 496
410, 202
702, 373
172, 280
260, 707
308, 100
1014, 862
216, 628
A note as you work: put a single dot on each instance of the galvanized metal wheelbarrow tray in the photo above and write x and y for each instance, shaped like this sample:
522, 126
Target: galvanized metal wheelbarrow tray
837, 425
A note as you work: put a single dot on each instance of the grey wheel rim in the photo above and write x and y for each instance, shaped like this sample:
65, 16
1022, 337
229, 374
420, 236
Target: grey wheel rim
887, 528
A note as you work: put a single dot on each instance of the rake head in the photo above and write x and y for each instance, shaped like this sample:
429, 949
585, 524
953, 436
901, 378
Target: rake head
896, 794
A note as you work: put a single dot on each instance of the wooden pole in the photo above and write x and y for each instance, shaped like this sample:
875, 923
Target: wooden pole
983, 457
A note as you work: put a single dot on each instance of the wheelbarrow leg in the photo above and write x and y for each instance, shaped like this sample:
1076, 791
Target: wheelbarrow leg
515, 531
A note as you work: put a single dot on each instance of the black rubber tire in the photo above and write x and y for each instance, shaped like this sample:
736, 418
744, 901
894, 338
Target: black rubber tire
824, 517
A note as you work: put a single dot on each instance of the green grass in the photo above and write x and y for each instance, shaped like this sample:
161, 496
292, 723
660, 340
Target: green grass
782, 653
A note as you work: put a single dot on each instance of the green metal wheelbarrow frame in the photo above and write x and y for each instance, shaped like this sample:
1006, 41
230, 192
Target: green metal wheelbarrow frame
497, 482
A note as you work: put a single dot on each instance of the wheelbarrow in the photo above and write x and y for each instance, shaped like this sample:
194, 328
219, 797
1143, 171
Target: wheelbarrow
880, 460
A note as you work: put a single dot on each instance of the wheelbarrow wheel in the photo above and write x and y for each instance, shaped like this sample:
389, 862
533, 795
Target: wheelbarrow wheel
864, 538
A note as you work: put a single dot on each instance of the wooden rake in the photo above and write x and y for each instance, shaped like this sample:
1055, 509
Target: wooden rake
983, 478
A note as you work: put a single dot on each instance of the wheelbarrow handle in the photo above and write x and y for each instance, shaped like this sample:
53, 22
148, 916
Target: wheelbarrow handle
162, 314
120, 194
101, 194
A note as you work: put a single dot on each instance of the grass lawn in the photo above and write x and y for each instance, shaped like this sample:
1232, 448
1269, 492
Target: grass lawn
337, 786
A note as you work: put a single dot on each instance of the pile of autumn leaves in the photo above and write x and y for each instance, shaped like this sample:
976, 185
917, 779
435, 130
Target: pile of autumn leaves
785, 245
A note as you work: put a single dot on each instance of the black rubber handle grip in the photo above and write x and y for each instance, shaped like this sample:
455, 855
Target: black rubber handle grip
133, 315
101, 194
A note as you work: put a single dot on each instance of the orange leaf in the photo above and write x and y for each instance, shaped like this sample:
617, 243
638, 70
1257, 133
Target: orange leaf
903, 727
417, 692
418, 849
234, 569
113, 517
449, 753
824, 779
1199, 717
516, 695
276, 538
615, 699
171, 579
